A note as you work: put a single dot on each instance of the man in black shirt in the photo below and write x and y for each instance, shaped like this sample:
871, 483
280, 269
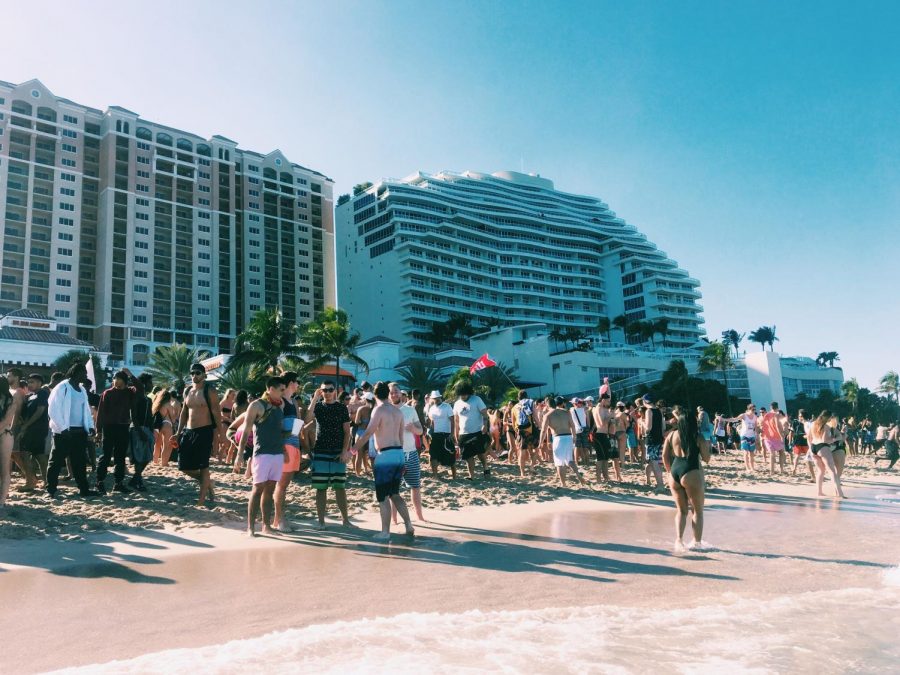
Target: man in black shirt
332, 440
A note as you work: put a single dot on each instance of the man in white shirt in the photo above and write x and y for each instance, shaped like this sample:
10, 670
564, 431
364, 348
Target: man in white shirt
71, 421
411, 428
472, 424
440, 419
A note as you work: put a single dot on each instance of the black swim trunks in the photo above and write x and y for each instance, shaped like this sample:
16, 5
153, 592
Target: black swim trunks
195, 448
472, 445
605, 449
442, 450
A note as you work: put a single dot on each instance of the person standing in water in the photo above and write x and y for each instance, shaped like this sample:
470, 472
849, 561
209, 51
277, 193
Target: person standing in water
682, 451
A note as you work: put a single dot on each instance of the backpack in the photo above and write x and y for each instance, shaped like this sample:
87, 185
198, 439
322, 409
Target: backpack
526, 408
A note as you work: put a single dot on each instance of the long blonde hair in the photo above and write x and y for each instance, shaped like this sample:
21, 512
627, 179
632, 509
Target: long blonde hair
821, 422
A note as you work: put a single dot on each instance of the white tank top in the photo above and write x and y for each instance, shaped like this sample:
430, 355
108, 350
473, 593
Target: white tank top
748, 426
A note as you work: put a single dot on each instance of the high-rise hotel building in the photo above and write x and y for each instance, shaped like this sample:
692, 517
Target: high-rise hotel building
508, 245
131, 234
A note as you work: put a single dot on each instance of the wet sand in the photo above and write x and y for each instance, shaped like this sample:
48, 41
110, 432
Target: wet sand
115, 596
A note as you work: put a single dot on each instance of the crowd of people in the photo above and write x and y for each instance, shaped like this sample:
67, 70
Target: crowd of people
384, 431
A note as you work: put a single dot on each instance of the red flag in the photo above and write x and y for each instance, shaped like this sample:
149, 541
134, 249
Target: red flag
484, 361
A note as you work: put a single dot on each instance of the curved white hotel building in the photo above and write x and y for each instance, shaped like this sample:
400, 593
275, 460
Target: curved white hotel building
507, 245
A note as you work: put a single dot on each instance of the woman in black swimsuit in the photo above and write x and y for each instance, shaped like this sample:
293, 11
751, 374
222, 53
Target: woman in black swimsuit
683, 449
822, 443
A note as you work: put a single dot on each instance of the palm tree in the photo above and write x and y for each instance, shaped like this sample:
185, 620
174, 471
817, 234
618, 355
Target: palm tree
621, 322
420, 374
461, 375
717, 356
172, 363
732, 338
557, 334
267, 340
634, 330
850, 391
890, 384
329, 338
764, 335
65, 361
661, 326
603, 326
827, 357
244, 377
494, 383
647, 332
574, 335
489, 322
437, 335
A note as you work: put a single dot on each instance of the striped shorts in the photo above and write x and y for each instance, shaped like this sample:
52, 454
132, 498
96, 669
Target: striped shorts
413, 475
327, 471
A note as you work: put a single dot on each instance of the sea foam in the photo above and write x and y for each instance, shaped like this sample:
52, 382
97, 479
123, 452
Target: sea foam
737, 635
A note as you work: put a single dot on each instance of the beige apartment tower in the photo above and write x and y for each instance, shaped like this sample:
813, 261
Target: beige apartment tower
132, 235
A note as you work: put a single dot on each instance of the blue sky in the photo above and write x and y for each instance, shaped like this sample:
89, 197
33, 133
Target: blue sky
756, 143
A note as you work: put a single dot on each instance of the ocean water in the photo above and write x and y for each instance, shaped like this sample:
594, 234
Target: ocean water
844, 631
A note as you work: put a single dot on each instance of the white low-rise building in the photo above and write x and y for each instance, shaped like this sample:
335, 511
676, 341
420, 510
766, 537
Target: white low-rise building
29, 338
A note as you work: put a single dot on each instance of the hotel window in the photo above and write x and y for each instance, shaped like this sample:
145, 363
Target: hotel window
64, 282
143, 174
64, 251
142, 188
65, 206
203, 242
254, 169
202, 325
67, 221
254, 268
68, 162
202, 297
254, 230
143, 146
63, 298
141, 244
203, 175
203, 256
203, 228
140, 303
142, 216
203, 188
142, 202
254, 256
203, 214
254, 181
203, 311
69, 192
203, 202
203, 269
141, 274
203, 283
70, 119
139, 318
203, 162
68, 133
62, 314
253, 205
64, 267
143, 160
254, 193
255, 295
140, 289
254, 282
68, 176
65, 236
141, 259
69, 148
142, 230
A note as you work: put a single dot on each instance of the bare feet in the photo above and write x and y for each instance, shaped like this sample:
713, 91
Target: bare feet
382, 536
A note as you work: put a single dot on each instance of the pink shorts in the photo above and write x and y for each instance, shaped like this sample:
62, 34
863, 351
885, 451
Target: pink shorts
774, 445
267, 467
293, 463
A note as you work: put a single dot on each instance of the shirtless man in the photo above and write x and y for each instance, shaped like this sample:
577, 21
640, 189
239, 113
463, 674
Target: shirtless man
199, 425
604, 424
773, 430
386, 425
622, 422
560, 424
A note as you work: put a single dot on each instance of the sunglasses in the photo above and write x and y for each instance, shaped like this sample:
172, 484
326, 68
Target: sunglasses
328, 390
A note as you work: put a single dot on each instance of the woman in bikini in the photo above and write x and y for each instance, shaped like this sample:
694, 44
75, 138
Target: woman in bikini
164, 418
361, 462
683, 449
221, 452
822, 444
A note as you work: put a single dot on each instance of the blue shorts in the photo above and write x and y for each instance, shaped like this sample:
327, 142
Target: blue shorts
654, 452
388, 468
748, 443
631, 439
